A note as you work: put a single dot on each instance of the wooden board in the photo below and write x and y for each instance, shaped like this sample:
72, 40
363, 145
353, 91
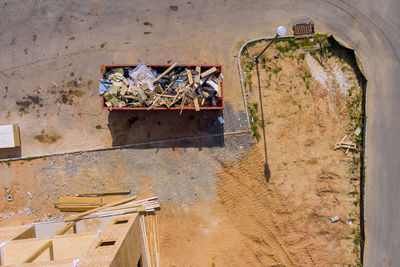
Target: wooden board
196, 103
80, 215
105, 193
17, 140
197, 76
190, 77
9, 136
165, 72
66, 228
69, 199
39, 252
208, 72
75, 208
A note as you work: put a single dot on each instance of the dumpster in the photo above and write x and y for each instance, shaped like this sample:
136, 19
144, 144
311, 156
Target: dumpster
161, 87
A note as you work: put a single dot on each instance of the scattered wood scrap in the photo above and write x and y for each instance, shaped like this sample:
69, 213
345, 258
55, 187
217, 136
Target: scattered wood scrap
165, 72
176, 87
345, 145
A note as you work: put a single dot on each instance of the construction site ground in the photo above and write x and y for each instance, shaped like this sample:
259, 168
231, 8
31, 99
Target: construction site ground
218, 206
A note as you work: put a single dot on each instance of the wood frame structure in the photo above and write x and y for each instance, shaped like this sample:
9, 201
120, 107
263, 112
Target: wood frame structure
119, 243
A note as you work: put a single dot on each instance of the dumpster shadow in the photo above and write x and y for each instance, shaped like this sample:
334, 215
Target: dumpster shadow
166, 129
8, 153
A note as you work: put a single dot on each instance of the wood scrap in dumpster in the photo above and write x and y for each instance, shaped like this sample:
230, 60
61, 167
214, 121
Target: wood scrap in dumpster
154, 87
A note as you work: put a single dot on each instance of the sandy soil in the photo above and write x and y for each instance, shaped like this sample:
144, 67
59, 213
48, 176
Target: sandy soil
282, 219
240, 217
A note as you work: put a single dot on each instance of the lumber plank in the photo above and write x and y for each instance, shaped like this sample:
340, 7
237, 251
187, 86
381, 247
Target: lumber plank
112, 204
66, 228
76, 204
197, 76
208, 72
105, 193
76, 208
71, 199
196, 103
219, 88
190, 77
17, 139
165, 72
157, 238
38, 252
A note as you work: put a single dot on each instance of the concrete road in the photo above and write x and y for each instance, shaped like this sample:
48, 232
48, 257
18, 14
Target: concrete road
76, 36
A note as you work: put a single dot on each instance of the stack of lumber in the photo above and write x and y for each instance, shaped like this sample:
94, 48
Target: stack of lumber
144, 205
125, 206
148, 222
151, 245
78, 203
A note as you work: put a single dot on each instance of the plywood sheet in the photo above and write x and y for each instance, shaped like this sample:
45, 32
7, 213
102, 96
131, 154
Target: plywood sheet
16, 232
17, 251
64, 247
7, 139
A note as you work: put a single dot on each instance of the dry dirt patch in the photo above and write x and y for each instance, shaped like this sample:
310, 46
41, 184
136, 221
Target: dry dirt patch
311, 101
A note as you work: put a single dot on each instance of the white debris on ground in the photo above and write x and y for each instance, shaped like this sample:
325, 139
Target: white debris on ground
341, 79
317, 71
319, 74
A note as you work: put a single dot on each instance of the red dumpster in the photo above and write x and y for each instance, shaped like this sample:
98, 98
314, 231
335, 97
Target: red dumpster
218, 101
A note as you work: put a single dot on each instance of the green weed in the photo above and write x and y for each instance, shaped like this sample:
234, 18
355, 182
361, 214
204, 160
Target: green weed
277, 70
250, 65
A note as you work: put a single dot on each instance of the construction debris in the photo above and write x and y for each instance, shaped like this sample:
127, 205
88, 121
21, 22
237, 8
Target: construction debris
345, 145
357, 131
335, 219
162, 86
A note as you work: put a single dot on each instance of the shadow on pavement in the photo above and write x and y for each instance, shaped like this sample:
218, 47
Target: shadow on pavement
166, 128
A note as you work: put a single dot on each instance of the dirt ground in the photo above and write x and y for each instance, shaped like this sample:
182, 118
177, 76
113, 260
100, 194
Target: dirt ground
282, 219
226, 211
230, 213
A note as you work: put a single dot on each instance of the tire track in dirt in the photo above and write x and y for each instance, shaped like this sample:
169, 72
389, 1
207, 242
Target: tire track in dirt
243, 191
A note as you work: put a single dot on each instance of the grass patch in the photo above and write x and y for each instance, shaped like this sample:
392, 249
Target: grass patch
307, 75
255, 122
276, 70
249, 65
306, 42
289, 44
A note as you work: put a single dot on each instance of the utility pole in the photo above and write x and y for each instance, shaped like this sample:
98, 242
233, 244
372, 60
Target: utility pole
279, 32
